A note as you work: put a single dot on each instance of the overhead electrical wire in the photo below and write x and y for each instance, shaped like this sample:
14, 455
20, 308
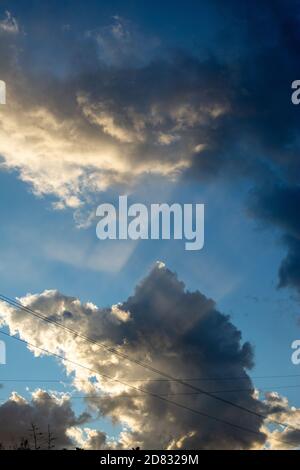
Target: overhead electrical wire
155, 395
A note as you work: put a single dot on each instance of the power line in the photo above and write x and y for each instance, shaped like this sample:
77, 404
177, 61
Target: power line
218, 379
236, 390
112, 350
213, 379
171, 394
155, 395
126, 356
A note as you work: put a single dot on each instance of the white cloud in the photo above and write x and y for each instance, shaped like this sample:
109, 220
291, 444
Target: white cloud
74, 137
44, 410
283, 438
9, 24
174, 330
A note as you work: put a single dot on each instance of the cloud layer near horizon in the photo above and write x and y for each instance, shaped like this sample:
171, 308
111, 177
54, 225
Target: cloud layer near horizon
52, 415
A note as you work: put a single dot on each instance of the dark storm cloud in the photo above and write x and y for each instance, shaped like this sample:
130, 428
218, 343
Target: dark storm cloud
179, 332
109, 124
289, 272
261, 135
44, 410
106, 121
279, 205
110, 119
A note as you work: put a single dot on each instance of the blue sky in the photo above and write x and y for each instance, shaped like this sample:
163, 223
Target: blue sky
43, 247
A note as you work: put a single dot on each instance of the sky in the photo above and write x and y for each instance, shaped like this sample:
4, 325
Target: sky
165, 102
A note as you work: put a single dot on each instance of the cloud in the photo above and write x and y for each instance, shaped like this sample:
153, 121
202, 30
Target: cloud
100, 126
113, 118
280, 410
121, 44
9, 24
289, 272
268, 130
100, 142
174, 330
104, 123
277, 205
90, 439
44, 410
